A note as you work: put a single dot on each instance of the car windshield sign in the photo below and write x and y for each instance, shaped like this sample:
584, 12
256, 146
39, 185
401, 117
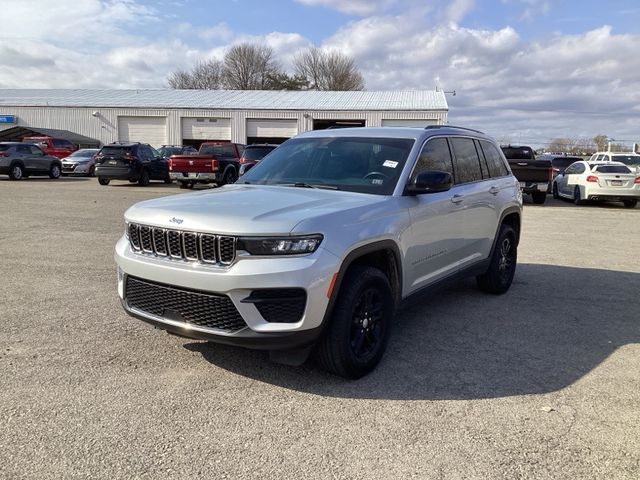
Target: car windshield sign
356, 164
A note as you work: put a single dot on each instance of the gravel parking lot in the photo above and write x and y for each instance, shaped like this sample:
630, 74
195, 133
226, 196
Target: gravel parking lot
540, 383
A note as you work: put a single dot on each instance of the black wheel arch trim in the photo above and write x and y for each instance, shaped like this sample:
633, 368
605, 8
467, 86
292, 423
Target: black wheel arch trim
357, 253
507, 211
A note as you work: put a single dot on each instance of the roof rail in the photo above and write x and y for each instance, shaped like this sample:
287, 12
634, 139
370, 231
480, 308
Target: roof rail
432, 127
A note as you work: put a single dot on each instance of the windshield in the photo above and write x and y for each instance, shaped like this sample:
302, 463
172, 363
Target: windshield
612, 169
627, 159
87, 152
256, 153
218, 150
356, 164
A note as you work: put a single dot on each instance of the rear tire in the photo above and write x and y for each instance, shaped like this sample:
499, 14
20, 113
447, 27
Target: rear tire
538, 197
103, 181
16, 172
576, 196
358, 330
630, 203
502, 267
229, 177
143, 181
185, 185
54, 171
168, 180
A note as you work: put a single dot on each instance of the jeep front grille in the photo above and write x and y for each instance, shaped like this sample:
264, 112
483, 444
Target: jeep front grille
176, 244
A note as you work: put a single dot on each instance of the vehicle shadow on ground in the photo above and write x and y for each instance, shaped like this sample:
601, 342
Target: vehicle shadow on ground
553, 327
47, 179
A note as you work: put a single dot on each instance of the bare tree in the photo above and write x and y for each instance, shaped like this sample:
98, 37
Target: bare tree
205, 76
328, 70
601, 142
249, 67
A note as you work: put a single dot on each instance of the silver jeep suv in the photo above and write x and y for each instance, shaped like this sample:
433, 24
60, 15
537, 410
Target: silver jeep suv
316, 247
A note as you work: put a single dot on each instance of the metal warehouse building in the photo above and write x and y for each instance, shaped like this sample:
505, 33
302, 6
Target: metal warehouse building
163, 116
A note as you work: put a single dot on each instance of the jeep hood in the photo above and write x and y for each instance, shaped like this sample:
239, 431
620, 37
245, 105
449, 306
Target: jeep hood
246, 209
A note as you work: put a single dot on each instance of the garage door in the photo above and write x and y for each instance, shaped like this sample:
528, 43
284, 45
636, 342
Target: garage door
151, 130
272, 128
206, 129
408, 123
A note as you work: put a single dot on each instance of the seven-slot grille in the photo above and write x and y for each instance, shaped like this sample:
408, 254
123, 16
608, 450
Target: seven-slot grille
176, 244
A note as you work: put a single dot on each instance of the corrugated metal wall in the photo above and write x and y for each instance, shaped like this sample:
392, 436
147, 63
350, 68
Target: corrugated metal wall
102, 123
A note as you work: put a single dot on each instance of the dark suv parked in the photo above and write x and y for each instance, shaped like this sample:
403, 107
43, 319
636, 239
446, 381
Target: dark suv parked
135, 162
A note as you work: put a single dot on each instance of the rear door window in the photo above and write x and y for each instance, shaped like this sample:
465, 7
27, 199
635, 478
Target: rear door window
466, 161
495, 163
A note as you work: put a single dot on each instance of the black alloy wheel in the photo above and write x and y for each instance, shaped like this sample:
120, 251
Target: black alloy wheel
576, 196
502, 267
103, 181
358, 330
555, 191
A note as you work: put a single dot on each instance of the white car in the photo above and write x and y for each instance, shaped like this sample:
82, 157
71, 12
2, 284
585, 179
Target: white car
630, 159
600, 181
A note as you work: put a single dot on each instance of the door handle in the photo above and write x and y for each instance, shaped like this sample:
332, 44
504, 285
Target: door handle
494, 190
457, 198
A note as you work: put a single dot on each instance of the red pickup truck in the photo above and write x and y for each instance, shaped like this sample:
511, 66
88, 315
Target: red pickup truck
216, 162
56, 147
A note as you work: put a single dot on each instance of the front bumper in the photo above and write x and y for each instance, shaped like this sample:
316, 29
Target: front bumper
195, 177
76, 168
312, 273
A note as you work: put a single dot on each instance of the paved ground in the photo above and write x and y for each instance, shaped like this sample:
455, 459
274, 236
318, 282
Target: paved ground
540, 383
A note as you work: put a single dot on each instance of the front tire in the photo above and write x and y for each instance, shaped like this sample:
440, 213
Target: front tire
17, 172
103, 181
54, 171
358, 332
538, 197
631, 203
502, 267
556, 195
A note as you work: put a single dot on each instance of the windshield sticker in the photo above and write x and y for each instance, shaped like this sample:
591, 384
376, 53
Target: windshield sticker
390, 164
377, 181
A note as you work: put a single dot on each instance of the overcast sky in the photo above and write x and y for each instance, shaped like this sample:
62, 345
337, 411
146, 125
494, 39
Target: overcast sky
523, 70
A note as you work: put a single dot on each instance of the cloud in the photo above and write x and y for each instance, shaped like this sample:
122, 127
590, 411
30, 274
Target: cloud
352, 7
561, 86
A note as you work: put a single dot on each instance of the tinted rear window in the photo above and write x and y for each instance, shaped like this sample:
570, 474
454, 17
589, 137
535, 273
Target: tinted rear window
627, 159
4, 148
564, 162
518, 153
256, 153
219, 150
115, 151
611, 169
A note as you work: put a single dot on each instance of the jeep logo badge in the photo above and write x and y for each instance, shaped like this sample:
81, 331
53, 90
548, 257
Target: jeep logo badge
176, 220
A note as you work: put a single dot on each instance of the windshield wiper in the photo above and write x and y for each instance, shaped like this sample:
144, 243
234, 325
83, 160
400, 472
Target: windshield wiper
308, 185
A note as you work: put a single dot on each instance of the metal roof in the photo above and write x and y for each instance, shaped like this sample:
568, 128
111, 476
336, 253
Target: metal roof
18, 133
226, 99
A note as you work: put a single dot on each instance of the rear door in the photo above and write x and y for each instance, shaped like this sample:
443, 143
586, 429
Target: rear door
475, 199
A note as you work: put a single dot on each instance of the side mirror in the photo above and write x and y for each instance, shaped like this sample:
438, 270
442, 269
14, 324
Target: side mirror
430, 181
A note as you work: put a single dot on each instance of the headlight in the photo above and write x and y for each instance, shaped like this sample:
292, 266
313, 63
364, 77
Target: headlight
280, 245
